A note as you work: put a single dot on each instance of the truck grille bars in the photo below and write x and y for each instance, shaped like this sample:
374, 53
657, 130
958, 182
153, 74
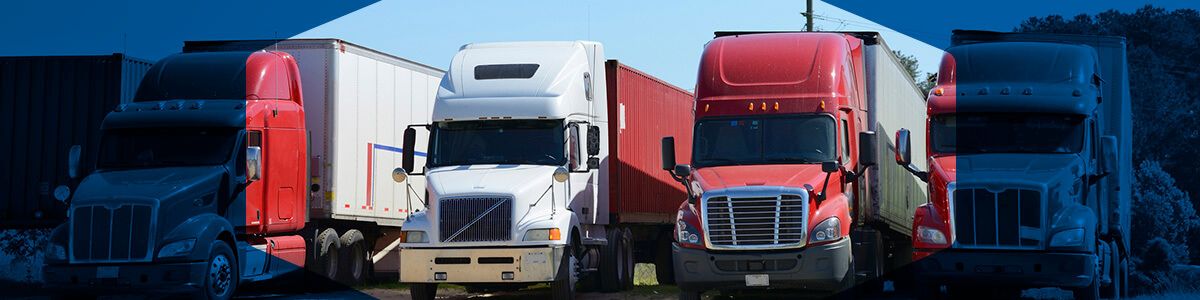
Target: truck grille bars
1010, 219
756, 222
475, 219
101, 234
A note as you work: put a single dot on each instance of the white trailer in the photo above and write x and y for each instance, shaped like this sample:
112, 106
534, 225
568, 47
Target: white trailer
358, 102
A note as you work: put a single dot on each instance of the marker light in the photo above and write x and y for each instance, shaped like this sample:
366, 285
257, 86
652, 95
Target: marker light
777, 105
764, 106
822, 104
939, 91
751, 106
706, 108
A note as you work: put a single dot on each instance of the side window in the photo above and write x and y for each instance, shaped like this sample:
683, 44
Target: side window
573, 147
845, 140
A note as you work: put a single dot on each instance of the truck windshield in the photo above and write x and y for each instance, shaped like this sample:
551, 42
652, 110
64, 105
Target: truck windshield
531, 142
803, 139
165, 147
1007, 133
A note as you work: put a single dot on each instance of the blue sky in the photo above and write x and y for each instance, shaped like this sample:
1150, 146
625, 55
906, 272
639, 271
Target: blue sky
663, 38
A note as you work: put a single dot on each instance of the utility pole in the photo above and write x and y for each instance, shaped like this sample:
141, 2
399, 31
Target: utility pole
808, 15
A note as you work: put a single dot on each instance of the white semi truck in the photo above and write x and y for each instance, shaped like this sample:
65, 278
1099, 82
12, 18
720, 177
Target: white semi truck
528, 145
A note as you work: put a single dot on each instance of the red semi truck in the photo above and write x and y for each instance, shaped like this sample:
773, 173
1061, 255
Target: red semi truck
1028, 166
224, 168
784, 190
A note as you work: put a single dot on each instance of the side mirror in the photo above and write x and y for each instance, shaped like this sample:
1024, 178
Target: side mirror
253, 163
866, 149
668, 153
1108, 154
73, 161
830, 167
399, 175
903, 147
683, 171
593, 163
408, 151
593, 140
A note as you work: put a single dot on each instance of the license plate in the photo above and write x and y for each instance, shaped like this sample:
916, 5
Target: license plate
758, 280
107, 272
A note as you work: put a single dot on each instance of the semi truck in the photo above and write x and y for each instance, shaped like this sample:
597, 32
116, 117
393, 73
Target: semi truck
1028, 166
243, 161
784, 187
53, 103
541, 169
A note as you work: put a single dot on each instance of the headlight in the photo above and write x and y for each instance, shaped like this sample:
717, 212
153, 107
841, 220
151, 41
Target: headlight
413, 237
177, 248
686, 233
827, 230
931, 235
55, 251
545, 234
1067, 238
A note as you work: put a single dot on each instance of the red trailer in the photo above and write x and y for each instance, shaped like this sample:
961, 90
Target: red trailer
642, 110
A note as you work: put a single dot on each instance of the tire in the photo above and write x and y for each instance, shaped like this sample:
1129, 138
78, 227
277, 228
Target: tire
1090, 292
1115, 288
423, 291
355, 263
326, 261
611, 269
221, 274
563, 287
687, 294
664, 264
625, 259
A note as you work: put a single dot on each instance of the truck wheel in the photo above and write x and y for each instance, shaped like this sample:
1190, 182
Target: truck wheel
563, 287
423, 291
1090, 292
354, 255
664, 265
327, 246
1115, 271
221, 275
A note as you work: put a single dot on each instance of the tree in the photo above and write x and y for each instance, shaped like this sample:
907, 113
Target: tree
912, 66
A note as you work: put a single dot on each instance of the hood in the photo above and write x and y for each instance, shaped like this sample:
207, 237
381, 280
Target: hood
157, 184
515, 180
1031, 168
715, 178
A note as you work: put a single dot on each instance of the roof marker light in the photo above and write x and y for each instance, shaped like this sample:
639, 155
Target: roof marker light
776, 105
822, 104
764, 106
939, 91
752, 106
706, 108
1027, 92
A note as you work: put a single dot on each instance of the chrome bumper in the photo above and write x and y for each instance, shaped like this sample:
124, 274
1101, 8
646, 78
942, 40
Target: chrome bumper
479, 265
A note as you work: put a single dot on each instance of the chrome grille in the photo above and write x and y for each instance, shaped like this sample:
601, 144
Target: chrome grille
755, 222
475, 219
99, 233
1010, 218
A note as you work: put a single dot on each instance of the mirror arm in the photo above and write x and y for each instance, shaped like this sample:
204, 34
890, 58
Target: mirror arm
824, 188
922, 175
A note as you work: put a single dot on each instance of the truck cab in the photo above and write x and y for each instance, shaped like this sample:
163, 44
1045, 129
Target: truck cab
775, 164
177, 201
1023, 166
512, 169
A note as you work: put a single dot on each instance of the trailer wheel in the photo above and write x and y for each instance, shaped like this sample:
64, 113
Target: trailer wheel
1115, 273
616, 261
563, 287
354, 254
221, 273
423, 291
327, 245
625, 259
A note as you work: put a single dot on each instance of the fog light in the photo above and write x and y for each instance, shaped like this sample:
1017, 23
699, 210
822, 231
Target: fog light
506, 276
439, 276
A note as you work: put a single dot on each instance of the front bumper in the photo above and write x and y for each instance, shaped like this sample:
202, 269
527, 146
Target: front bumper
479, 265
183, 277
1007, 268
822, 267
